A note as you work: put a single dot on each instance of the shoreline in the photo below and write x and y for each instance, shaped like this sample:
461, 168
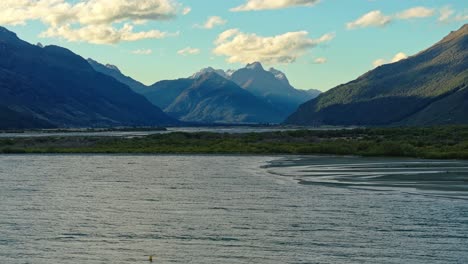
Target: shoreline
423, 143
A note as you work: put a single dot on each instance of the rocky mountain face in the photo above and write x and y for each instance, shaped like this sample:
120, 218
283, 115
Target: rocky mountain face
271, 90
213, 99
114, 71
52, 86
429, 88
273, 86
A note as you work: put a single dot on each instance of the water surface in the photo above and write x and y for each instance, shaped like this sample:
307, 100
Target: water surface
230, 209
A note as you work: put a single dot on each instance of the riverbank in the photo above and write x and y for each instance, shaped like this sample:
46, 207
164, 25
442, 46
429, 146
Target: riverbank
449, 142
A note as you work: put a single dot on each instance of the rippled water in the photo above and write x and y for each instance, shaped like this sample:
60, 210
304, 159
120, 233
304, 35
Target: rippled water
231, 209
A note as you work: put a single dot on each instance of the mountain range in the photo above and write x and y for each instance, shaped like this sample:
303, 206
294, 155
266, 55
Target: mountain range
247, 95
45, 87
429, 88
53, 87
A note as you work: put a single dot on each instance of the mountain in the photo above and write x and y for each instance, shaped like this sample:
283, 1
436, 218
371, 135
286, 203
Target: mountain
52, 86
113, 71
220, 72
160, 94
272, 86
11, 119
164, 93
214, 99
429, 88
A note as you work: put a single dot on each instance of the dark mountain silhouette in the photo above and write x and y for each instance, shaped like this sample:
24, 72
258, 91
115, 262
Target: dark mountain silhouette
164, 93
273, 86
429, 88
56, 87
213, 99
115, 72
279, 97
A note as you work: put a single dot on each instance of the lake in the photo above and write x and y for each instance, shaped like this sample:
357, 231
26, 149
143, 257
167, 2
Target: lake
231, 209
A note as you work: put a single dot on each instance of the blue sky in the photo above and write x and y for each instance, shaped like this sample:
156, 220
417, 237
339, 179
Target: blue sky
318, 44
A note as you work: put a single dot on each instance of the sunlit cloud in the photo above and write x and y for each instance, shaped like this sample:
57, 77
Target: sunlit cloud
95, 21
320, 60
372, 19
447, 14
398, 57
241, 47
186, 11
212, 22
377, 18
102, 34
142, 52
189, 51
416, 12
254, 5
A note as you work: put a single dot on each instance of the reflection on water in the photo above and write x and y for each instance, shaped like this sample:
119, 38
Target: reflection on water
227, 209
432, 176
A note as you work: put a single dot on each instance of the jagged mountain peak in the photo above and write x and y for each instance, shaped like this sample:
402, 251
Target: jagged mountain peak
6, 32
220, 72
113, 67
108, 66
255, 66
279, 75
9, 36
212, 77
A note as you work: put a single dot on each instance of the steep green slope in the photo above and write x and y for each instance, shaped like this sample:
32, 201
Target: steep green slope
407, 92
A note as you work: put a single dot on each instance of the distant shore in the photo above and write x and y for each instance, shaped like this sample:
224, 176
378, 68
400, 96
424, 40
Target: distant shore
447, 142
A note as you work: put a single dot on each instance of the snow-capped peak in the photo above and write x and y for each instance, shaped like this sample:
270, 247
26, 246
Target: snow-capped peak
279, 75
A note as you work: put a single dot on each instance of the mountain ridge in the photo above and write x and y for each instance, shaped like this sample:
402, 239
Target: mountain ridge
54, 85
164, 93
392, 93
214, 99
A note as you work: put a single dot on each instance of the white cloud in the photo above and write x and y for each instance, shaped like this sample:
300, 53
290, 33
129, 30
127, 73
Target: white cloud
416, 12
18, 12
398, 57
142, 52
379, 62
188, 51
374, 18
186, 11
103, 12
320, 60
212, 22
90, 20
461, 17
246, 48
102, 34
377, 19
252, 5
446, 13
